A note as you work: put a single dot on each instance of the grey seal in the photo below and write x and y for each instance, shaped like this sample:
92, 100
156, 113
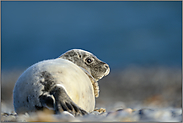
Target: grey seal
67, 83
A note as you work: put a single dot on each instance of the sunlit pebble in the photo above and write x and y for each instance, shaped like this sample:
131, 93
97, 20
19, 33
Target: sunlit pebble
176, 112
94, 113
126, 111
67, 113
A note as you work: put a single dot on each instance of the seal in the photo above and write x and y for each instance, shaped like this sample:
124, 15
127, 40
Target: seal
67, 83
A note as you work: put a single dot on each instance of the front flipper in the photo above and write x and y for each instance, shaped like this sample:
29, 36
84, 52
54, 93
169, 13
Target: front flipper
59, 101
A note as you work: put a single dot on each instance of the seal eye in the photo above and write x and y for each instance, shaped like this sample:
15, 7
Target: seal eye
88, 60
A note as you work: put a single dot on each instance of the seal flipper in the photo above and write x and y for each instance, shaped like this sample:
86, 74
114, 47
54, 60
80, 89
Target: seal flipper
59, 101
47, 101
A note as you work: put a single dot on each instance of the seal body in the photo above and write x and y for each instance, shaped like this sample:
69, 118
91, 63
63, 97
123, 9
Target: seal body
40, 77
67, 83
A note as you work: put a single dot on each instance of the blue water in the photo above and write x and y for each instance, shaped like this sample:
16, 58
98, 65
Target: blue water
119, 33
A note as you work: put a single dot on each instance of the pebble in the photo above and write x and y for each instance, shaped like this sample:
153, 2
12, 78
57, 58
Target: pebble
119, 115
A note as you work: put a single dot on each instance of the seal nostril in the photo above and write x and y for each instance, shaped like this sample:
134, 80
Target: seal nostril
106, 66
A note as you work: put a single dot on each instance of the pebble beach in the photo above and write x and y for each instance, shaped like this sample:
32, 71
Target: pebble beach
120, 115
132, 95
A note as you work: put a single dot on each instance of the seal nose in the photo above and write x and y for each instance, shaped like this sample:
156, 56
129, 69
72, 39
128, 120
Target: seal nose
107, 69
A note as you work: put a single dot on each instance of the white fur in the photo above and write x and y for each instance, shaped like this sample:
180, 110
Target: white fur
65, 73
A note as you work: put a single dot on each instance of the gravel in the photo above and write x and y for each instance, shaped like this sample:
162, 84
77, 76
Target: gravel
119, 115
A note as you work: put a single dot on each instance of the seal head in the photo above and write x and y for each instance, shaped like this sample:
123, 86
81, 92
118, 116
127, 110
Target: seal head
87, 61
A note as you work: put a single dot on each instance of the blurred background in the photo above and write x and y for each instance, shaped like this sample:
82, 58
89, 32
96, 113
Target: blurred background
141, 41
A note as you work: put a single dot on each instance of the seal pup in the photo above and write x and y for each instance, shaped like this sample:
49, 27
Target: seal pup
67, 83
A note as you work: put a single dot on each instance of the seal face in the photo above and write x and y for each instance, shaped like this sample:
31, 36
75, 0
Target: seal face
68, 83
88, 61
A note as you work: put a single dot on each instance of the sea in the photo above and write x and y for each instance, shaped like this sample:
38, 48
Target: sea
120, 33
